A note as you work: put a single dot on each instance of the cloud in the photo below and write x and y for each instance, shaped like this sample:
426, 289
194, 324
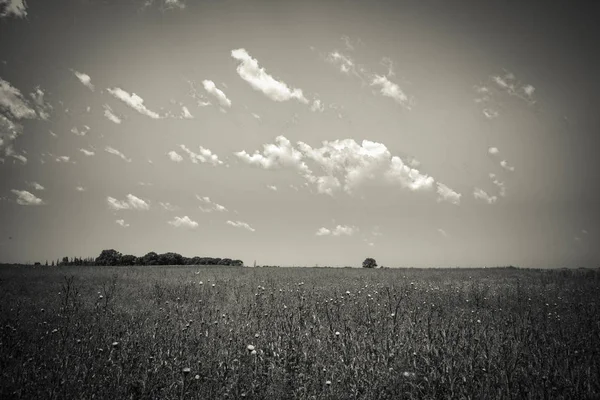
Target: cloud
116, 152
340, 230
108, 113
62, 159
84, 79
274, 156
317, 106
134, 101
13, 102
481, 194
240, 224
80, 189
16, 8
391, 89
490, 113
205, 156
499, 184
509, 84
81, 132
88, 153
171, 4
347, 42
343, 62
493, 151
447, 194
9, 131
43, 108
19, 157
36, 186
345, 164
323, 232
186, 113
122, 223
183, 222
506, 166
585, 232
260, 80
212, 89
25, 198
442, 232
167, 206
130, 203
209, 206
174, 156
272, 187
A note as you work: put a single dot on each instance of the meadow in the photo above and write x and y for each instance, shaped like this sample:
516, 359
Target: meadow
293, 333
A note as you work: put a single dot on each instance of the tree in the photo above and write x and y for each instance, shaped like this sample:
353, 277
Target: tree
128, 259
369, 263
109, 257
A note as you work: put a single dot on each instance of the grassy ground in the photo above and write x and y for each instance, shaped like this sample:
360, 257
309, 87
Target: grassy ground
185, 332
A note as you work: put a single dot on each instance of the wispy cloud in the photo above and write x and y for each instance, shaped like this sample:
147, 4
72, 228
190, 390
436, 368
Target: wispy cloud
122, 223
504, 164
499, 184
205, 156
340, 230
88, 153
209, 206
43, 107
183, 222
272, 187
260, 80
240, 224
26, 198
80, 132
442, 232
167, 206
112, 150
493, 151
212, 89
80, 189
84, 79
109, 113
481, 194
36, 186
186, 113
131, 202
134, 101
62, 159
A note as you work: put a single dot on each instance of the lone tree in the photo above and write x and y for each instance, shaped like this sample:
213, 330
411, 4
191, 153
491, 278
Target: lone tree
369, 263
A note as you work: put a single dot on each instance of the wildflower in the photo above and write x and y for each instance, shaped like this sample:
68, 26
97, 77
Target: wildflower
253, 352
197, 377
407, 374
328, 383
213, 285
201, 283
115, 344
257, 335
337, 333
186, 370
478, 321
100, 297
250, 347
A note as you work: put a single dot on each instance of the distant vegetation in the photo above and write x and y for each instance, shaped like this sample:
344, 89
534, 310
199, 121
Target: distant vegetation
113, 258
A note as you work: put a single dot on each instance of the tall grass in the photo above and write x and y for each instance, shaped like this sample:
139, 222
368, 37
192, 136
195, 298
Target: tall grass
184, 333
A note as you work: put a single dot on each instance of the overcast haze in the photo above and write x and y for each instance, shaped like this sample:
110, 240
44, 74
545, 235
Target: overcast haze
419, 133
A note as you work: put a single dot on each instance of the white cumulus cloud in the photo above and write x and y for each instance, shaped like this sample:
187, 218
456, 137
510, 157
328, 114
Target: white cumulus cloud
131, 202
16, 8
87, 152
174, 156
339, 230
504, 164
183, 222
26, 198
210, 206
447, 194
204, 156
84, 79
134, 101
122, 223
260, 80
212, 89
391, 89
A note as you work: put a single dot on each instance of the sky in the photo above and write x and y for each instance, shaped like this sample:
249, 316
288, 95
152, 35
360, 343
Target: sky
420, 133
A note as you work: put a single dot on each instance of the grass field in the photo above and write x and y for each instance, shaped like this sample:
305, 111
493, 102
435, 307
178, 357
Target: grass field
188, 333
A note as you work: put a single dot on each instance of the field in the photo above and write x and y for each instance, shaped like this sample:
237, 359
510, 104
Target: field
279, 333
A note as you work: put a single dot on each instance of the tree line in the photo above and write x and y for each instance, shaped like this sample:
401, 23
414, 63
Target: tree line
112, 257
